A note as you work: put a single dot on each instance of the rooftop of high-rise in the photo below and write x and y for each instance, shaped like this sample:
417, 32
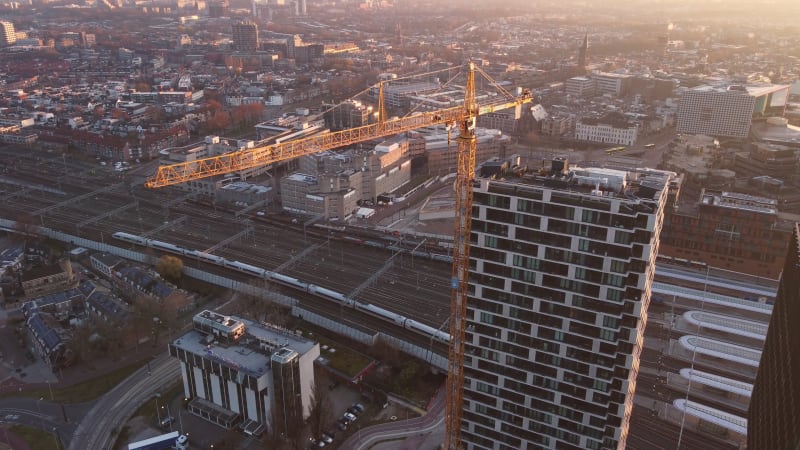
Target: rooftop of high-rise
642, 183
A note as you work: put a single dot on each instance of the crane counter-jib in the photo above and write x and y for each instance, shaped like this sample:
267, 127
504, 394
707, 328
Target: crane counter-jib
262, 156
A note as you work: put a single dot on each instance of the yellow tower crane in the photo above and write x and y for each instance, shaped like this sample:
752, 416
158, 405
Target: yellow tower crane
465, 117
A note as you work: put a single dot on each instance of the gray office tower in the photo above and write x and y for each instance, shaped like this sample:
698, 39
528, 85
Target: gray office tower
561, 265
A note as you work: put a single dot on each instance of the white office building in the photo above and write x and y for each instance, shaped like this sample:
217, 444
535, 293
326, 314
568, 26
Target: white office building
559, 285
241, 373
611, 83
579, 87
606, 131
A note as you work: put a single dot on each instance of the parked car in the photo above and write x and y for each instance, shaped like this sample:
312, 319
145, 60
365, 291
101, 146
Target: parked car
359, 407
349, 416
327, 437
342, 424
353, 411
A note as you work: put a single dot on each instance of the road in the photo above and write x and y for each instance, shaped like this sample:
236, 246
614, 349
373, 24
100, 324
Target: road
97, 429
41, 414
430, 423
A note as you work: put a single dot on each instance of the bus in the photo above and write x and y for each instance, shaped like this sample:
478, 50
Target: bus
613, 150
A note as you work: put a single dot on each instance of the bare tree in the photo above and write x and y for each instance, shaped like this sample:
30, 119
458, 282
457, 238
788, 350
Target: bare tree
320, 410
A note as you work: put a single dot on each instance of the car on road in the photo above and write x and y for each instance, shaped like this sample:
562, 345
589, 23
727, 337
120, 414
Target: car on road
166, 421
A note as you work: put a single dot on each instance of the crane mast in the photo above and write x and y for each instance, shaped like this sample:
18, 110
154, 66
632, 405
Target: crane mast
465, 176
465, 116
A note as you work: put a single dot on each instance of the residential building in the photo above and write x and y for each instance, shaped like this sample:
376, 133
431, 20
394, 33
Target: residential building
561, 266
348, 114
105, 263
729, 230
728, 111
239, 372
7, 34
775, 403
48, 279
50, 340
245, 36
558, 125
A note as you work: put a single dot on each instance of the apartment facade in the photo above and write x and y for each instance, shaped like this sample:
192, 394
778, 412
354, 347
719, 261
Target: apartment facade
7, 34
560, 273
245, 36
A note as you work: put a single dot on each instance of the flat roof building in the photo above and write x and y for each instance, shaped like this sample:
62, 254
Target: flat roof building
728, 111
561, 268
239, 372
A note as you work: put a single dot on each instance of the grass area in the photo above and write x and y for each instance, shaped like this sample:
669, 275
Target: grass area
345, 360
37, 439
148, 409
383, 442
86, 390
190, 284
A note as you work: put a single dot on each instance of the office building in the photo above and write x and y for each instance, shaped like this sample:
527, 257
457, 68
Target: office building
579, 87
239, 372
728, 111
7, 34
775, 404
561, 265
245, 36
729, 230
614, 128
616, 84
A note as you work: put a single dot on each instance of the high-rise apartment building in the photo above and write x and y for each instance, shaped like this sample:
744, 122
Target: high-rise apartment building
775, 404
245, 36
561, 265
7, 34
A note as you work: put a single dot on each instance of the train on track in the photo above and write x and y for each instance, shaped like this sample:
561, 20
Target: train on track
279, 278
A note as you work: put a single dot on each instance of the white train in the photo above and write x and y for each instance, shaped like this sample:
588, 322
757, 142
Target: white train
288, 281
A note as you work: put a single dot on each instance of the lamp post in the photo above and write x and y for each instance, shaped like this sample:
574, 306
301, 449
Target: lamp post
39, 410
180, 418
158, 412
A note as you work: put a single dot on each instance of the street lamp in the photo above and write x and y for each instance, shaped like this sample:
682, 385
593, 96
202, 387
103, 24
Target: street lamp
39, 409
158, 412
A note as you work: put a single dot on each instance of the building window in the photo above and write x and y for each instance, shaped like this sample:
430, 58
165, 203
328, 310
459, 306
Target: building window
618, 266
